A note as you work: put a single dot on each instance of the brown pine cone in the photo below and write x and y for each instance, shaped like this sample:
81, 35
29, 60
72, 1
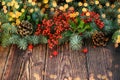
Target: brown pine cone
99, 39
25, 28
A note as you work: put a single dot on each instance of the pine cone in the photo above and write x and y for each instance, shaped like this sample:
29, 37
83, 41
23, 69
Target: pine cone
25, 28
99, 39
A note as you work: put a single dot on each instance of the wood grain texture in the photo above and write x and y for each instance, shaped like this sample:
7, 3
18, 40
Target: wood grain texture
15, 64
100, 62
3, 57
38, 62
115, 63
68, 65
24, 65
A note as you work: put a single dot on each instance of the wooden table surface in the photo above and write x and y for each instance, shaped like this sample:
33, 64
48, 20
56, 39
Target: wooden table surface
101, 63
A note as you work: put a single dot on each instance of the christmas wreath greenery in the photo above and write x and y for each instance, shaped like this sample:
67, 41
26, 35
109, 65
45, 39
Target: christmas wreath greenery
31, 22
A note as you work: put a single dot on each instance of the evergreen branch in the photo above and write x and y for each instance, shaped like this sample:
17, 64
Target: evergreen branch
65, 37
32, 39
75, 42
43, 39
22, 44
8, 28
4, 41
3, 18
14, 39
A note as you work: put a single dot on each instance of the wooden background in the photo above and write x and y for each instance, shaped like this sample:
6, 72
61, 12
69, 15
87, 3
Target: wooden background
101, 63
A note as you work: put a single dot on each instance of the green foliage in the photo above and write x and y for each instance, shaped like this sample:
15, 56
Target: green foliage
110, 26
79, 30
36, 39
9, 36
32, 39
75, 42
3, 18
7, 30
115, 35
4, 40
88, 34
65, 37
14, 39
43, 39
80, 27
22, 44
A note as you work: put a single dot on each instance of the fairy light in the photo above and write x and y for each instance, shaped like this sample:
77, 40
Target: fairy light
66, 6
112, 6
119, 10
3, 3
54, 3
100, 6
61, 8
88, 14
103, 16
96, 2
85, 4
80, 3
84, 9
39, 4
30, 1
107, 4
118, 16
45, 1
68, 1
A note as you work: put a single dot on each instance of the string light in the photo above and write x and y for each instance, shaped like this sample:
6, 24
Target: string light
119, 10
103, 16
66, 6
84, 9
85, 4
54, 3
3, 3
61, 8
88, 14
107, 4
112, 6
96, 2
45, 1
118, 16
68, 1
80, 3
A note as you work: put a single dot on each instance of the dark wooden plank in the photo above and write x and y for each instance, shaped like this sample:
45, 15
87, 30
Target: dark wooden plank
68, 65
25, 65
3, 56
38, 62
101, 64
15, 64
115, 63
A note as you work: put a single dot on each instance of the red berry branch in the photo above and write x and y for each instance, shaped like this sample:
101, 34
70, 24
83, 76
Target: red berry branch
53, 28
90, 16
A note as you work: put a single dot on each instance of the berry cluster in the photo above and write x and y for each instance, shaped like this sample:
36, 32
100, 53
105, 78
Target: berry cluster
90, 16
54, 27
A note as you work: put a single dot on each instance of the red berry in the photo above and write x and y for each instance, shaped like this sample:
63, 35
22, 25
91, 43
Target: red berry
55, 53
85, 50
38, 25
30, 47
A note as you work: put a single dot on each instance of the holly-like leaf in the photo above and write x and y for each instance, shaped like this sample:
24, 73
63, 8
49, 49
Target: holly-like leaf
80, 24
72, 25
